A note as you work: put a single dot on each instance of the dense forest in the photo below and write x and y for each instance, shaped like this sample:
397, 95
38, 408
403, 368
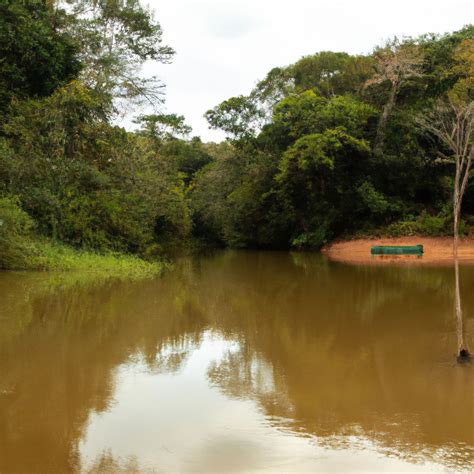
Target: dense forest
331, 146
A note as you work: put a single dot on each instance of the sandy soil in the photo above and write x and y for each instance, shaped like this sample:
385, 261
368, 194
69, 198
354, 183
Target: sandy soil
437, 251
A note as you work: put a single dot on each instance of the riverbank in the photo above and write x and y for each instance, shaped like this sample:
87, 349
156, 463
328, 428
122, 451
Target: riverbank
437, 251
48, 256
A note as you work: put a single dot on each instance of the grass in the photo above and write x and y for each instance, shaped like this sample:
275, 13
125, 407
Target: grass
54, 257
21, 249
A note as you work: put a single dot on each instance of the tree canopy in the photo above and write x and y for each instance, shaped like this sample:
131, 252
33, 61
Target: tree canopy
326, 147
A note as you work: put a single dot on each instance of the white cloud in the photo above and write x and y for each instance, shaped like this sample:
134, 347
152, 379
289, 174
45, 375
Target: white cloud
224, 46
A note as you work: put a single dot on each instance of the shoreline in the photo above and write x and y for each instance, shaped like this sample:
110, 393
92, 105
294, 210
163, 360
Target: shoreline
437, 251
47, 256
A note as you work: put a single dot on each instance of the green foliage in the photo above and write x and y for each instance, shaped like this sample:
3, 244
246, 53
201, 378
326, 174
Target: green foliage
228, 198
36, 56
311, 240
424, 224
21, 250
325, 147
337, 145
238, 116
317, 176
298, 115
116, 39
307, 113
277, 85
375, 202
164, 126
16, 227
439, 74
60, 170
86, 182
55, 257
79, 179
331, 73
188, 157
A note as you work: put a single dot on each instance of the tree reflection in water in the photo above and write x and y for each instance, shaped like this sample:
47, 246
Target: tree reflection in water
463, 354
339, 354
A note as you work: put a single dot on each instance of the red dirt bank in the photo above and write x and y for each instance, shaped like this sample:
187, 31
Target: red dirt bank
437, 251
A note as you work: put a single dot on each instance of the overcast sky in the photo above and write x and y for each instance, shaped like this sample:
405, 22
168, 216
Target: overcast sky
224, 46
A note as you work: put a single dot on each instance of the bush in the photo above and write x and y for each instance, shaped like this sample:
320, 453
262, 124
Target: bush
372, 200
311, 240
59, 257
425, 224
20, 250
16, 247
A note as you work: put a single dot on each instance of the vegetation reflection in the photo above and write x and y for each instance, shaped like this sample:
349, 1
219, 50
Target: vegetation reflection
325, 350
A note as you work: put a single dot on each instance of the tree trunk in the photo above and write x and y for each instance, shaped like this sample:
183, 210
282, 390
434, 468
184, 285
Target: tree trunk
456, 207
456, 213
462, 351
387, 110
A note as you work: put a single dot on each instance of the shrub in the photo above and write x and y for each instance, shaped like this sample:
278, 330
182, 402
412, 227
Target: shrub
425, 224
16, 247
311, 240
61, 258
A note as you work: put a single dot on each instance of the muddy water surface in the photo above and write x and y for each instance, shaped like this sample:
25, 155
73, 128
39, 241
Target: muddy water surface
237, 361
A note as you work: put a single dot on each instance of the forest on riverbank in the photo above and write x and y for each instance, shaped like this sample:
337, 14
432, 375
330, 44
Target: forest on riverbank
333, 145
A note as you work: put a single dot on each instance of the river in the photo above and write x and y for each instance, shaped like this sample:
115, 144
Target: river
237, 361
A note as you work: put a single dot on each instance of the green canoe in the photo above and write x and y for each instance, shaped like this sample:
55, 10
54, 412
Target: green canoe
397, 250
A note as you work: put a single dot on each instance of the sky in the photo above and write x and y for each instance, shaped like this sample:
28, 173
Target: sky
223, 47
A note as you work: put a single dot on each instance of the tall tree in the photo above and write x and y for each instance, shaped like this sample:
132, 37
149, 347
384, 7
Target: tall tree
239, 116
395, 63
452, 122
36, 55
330, 73
161, 127
117, 37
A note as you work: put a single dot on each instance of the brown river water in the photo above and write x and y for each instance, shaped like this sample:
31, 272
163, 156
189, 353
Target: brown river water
237, 362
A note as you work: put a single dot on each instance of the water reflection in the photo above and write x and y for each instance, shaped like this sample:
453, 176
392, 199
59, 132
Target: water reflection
463, 354
237, 361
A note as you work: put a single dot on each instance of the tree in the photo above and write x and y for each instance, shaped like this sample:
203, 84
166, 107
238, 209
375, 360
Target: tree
187, 156
117, 37
395, 63
164, 126
331, 73
463, 66
36, 55
277, 85
86, 182
227, 197
306, 113
318, 177
238, 116
439, 51
452, 123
